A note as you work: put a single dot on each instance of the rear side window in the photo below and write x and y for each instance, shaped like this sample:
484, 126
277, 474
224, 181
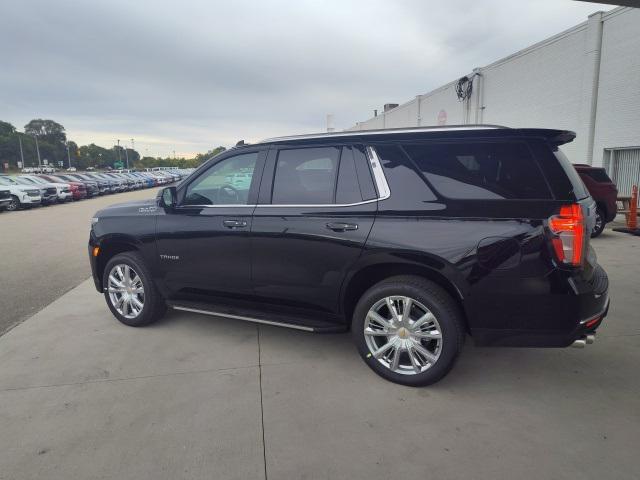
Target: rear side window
365, 178
482, 171
305, 176
347, 190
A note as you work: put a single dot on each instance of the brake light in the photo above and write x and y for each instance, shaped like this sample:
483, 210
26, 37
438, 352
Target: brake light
568, 229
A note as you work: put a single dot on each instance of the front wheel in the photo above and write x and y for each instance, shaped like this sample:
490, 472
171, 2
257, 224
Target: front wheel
600, 223
14, 204
130, 292
408, 330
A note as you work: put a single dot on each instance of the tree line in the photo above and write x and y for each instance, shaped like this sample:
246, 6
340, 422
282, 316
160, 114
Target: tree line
50, 138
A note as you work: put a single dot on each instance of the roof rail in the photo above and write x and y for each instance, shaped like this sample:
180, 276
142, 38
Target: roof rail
384, 131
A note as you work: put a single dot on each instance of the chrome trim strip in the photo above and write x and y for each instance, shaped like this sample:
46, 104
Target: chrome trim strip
319, 205
386, 131
593, 317
384, 191
246, 319
378, 174
184, 207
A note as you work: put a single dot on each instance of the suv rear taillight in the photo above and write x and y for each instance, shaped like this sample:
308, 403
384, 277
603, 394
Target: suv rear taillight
568, 235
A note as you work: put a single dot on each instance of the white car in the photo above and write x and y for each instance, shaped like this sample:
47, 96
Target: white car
63, 190
22, 196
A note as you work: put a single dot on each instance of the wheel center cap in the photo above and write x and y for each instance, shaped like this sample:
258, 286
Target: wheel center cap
403, 333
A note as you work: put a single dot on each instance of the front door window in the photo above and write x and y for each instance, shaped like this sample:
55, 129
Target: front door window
226, 183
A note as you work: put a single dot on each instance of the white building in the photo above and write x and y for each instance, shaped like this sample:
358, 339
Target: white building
585, 79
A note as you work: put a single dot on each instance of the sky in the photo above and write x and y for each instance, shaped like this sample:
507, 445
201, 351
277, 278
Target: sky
189, 75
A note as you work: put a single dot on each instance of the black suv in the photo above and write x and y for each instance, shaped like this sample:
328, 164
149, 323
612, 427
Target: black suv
411, 238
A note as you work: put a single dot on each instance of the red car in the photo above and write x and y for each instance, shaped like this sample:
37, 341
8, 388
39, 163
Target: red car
603, 191
78, 189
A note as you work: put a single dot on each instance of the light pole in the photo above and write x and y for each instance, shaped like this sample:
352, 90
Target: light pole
118, 150
38, 151
68, 155
126, 155
21, 153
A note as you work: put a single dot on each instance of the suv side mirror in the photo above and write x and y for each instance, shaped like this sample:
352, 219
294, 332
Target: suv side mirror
167, 197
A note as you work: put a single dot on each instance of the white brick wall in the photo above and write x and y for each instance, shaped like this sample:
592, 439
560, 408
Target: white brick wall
551, 84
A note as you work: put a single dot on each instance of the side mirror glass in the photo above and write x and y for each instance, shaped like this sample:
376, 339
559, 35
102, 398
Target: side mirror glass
167, 197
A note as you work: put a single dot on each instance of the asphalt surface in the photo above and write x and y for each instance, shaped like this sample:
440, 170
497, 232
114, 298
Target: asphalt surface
192, 396
43, 253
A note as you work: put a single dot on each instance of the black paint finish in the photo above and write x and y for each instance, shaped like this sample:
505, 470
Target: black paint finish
493, 256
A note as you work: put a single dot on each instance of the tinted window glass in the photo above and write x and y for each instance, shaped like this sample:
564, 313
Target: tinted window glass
365, 178
408, 190
305, 176
579, 190
348, 190
226, 183
487, 171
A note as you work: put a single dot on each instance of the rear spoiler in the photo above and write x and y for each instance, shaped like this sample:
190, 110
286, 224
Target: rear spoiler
554, 137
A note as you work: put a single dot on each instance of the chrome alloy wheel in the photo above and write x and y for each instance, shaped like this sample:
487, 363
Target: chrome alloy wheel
403, 335
126, 291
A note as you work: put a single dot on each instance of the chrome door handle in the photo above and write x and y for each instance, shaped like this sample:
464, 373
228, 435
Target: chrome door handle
234, 223
341, 227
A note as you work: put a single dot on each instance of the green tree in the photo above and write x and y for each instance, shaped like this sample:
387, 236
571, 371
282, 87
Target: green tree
50, 131
6, 128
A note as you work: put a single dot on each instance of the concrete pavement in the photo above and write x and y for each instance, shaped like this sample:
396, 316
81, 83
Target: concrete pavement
82, 396
43, 253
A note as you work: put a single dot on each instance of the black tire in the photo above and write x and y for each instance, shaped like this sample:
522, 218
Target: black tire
14, 204
441, 305
600, 223
154, 306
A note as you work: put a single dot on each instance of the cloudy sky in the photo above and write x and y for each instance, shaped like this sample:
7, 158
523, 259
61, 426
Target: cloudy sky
188, 75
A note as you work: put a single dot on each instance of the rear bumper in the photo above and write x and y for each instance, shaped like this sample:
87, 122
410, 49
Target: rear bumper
583, 307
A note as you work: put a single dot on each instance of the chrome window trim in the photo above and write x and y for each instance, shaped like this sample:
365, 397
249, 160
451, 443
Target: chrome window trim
216, 206
382, 186
321, 205
378, 174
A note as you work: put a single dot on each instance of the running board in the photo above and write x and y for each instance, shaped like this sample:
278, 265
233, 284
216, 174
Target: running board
288, 322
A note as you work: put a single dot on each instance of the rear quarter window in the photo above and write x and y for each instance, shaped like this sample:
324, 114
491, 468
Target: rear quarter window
480, 170
579, 189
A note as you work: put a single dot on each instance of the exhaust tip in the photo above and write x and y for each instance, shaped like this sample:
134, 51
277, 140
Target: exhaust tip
590, 338
580, 343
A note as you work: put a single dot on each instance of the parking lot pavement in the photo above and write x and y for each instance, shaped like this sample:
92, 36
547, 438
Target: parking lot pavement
43, 253
82, 396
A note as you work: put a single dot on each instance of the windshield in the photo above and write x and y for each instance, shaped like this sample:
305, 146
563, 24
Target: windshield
8, 181
22, 181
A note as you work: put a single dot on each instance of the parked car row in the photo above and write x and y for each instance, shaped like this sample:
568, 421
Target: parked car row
24, 191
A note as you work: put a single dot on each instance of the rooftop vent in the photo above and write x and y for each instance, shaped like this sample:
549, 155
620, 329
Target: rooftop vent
389, 106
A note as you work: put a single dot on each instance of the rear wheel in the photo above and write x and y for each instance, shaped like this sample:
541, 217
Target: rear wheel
130, 292
408, 330
600, 223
